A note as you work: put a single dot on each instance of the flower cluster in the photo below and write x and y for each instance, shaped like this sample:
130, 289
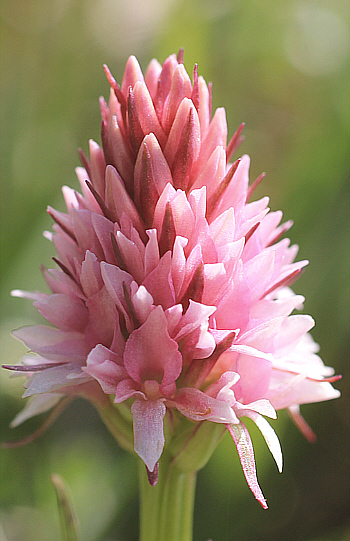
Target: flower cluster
172, 289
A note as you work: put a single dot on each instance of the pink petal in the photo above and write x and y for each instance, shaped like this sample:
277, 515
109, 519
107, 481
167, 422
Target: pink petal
152, 74
149, 439
269, 434
132, 74
292, 330
150, 353
62, 283
55, 378
159, 283
151, 252
131, 257
177, 128
103, 229
214, 171
114, 278
108, 374
126, 389
235, 194
36, 405
289, 389
147, 115
164, 83
255, 375
195, 316
216, 136
181, 88
199, 406
142, 302
63, 311
204, 106
178, 265
222, 229
300, 423
102, 319
52, 343
90, 276
97, 166
121, 199
122, 156
240, 436
151, 175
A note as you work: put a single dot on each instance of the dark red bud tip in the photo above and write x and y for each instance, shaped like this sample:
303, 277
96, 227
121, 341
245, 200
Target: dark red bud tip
110, 77
153, 475
180, 56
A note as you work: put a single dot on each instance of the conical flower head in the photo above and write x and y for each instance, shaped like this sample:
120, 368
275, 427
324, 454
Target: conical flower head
172, 289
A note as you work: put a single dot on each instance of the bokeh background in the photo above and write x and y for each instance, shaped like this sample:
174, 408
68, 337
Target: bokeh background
281, 67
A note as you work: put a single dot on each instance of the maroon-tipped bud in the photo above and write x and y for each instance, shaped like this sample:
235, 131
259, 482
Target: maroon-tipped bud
105, 144
286, 281
63, 221
235, 141
180, 56
145, 188
168, 233
99, 201
84, 161
195, 288
135, 131
187, 151
153, 475
217, 195
255, 184
195, 89
181, 87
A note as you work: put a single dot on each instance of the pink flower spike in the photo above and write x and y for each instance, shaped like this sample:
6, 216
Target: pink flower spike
172, 290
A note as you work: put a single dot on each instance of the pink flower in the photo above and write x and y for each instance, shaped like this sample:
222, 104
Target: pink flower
171, 288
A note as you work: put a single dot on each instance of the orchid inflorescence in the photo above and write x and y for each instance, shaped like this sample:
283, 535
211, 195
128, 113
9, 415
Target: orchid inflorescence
171, 291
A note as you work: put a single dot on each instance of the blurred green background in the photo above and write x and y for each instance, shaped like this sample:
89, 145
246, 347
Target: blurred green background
281, 67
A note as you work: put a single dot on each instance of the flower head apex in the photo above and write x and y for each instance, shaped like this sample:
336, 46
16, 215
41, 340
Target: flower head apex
172, 290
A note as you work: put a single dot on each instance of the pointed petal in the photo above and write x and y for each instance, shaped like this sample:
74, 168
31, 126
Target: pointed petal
241, 437
181, 88
159, 283
132, 74
63, 311
269, 434
122, 201
300, 423
36, 405
52, 343
146, 112
152, 74
55, 378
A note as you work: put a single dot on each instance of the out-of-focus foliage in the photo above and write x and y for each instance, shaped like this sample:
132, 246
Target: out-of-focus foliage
283, 68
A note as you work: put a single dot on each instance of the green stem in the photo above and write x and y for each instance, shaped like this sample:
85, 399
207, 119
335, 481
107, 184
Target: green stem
167, 508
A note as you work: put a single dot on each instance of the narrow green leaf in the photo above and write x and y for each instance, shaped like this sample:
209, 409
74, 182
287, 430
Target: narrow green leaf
68, 520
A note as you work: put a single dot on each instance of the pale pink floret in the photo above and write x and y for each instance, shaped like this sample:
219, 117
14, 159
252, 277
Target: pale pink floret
171, 288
